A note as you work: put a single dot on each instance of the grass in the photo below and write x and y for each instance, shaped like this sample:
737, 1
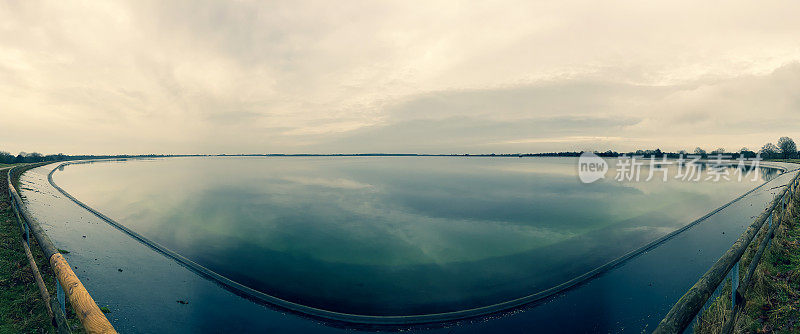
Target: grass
772, 302
22, 309
713, 318
795, 161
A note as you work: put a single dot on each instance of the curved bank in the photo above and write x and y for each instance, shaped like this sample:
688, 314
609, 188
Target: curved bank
542, 297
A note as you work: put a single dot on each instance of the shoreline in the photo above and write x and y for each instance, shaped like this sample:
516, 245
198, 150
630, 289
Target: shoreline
507, 306
21, 308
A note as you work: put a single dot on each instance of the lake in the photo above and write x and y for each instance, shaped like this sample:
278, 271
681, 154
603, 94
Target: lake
391, 235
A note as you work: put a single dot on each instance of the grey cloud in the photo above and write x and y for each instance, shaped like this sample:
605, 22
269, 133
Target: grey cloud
467, 134
572, 114
553, 99
324, 76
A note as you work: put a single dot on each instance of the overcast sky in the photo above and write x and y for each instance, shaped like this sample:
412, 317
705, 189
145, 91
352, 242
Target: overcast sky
396, 76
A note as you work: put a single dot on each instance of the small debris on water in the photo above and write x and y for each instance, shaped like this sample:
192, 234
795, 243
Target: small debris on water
182, 302
84, 236
120, 270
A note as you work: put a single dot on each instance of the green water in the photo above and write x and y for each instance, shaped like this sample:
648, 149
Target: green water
391, 235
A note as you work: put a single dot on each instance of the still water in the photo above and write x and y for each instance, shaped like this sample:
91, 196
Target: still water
392, 235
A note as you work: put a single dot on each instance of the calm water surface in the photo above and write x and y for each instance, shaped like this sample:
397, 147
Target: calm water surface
391, 235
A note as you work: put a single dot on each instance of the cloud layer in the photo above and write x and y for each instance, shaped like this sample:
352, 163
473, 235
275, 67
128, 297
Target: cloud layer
321, 76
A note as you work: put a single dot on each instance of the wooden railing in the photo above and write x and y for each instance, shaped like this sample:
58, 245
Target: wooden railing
68, 285
690, 305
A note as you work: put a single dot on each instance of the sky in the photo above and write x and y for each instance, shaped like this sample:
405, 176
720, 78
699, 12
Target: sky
209, 77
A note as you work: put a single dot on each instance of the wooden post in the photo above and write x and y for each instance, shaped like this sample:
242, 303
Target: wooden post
92, 318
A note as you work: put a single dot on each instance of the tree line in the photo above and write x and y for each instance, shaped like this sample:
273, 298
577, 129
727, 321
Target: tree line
24, 157
785, 149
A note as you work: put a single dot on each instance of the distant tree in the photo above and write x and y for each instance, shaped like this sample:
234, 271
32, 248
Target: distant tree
745, 152
6, 158
20, 157
700, 152
718, 151
769, 151
682, 152
788, 147
608, 154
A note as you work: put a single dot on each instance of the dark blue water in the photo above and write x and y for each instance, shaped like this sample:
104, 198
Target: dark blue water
390, 235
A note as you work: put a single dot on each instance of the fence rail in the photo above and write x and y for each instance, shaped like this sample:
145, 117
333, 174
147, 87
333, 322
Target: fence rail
68, 286
690, 305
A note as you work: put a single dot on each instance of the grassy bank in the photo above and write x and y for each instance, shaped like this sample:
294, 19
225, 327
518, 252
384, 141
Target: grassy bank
22, 309
774, 299
3, 168
772, 302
